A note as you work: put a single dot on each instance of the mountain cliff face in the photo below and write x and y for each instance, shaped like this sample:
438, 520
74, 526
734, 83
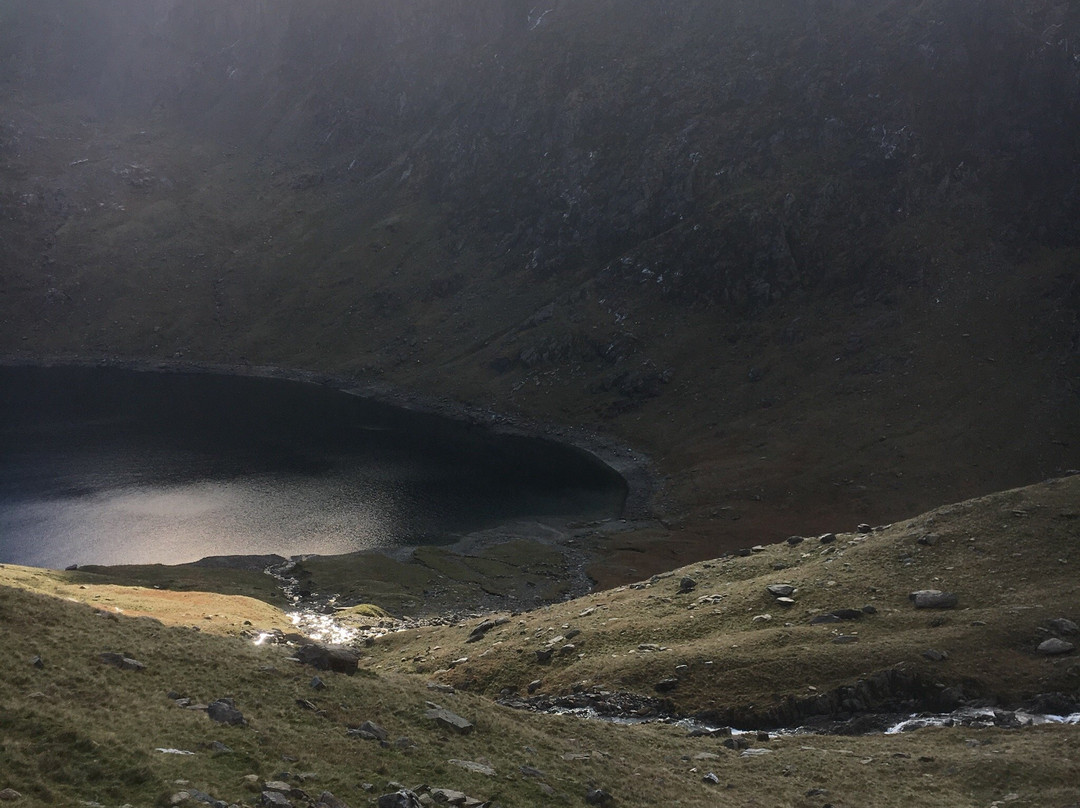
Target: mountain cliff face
819, 259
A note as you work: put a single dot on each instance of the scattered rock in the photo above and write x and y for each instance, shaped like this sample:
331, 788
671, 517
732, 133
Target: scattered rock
544, 655
793, 540
531, 771
277, 785
736, 742
687, 585
450, 720
275, 799
780, 590
864, 528
827, 538
224, 712
567, 649
400, 799
869, 609
933, 599
1055, 646
666, 685
845, 639
1058, 625
316, 683
534, 685
122, 662
474, 766
597, 796
325, 658
10, 795
786, 601
824, 618
711, 779
929, 540
934, 655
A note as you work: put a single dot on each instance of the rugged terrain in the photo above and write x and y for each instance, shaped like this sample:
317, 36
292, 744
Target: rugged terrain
80, 725
817, 260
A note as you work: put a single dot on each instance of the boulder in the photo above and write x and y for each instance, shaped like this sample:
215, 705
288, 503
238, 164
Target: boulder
449, 720
597, 796
328, 800
369, 731
274, 799
1055, 646
1064, 626
326, 658
224, 712
780, 590
400, 799
687, 585
933, 599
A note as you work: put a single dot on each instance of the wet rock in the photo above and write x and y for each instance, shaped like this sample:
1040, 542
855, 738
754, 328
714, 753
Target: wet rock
780, 590
687, 584
597, 796
449, 720
369, 731
1055, 646
933, 599
224, 712
325, 658
122, 662
474, 766
400, 799
1063, 626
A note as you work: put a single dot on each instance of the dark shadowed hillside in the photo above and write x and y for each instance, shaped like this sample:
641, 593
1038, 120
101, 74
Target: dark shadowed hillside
819, 260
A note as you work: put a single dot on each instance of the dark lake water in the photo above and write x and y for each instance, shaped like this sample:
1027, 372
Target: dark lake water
109, 466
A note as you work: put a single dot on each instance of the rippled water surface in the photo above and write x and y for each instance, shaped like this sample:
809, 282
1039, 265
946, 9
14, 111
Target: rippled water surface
107, 466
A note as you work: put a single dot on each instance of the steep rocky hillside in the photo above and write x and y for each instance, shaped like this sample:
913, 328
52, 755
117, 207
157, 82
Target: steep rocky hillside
819, 260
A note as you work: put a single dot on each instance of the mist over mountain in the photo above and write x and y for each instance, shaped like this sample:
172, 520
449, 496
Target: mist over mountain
819, 260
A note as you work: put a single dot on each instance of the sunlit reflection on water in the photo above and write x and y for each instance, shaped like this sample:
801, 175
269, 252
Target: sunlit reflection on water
173, 524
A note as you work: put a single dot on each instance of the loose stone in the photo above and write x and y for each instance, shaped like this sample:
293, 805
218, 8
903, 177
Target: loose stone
1061, 625
224, 712
400, 799
122, 662
780, 590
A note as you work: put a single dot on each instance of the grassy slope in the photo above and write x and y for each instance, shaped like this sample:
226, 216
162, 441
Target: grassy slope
77, 730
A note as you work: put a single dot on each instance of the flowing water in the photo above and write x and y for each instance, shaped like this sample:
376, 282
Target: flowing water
110, 466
